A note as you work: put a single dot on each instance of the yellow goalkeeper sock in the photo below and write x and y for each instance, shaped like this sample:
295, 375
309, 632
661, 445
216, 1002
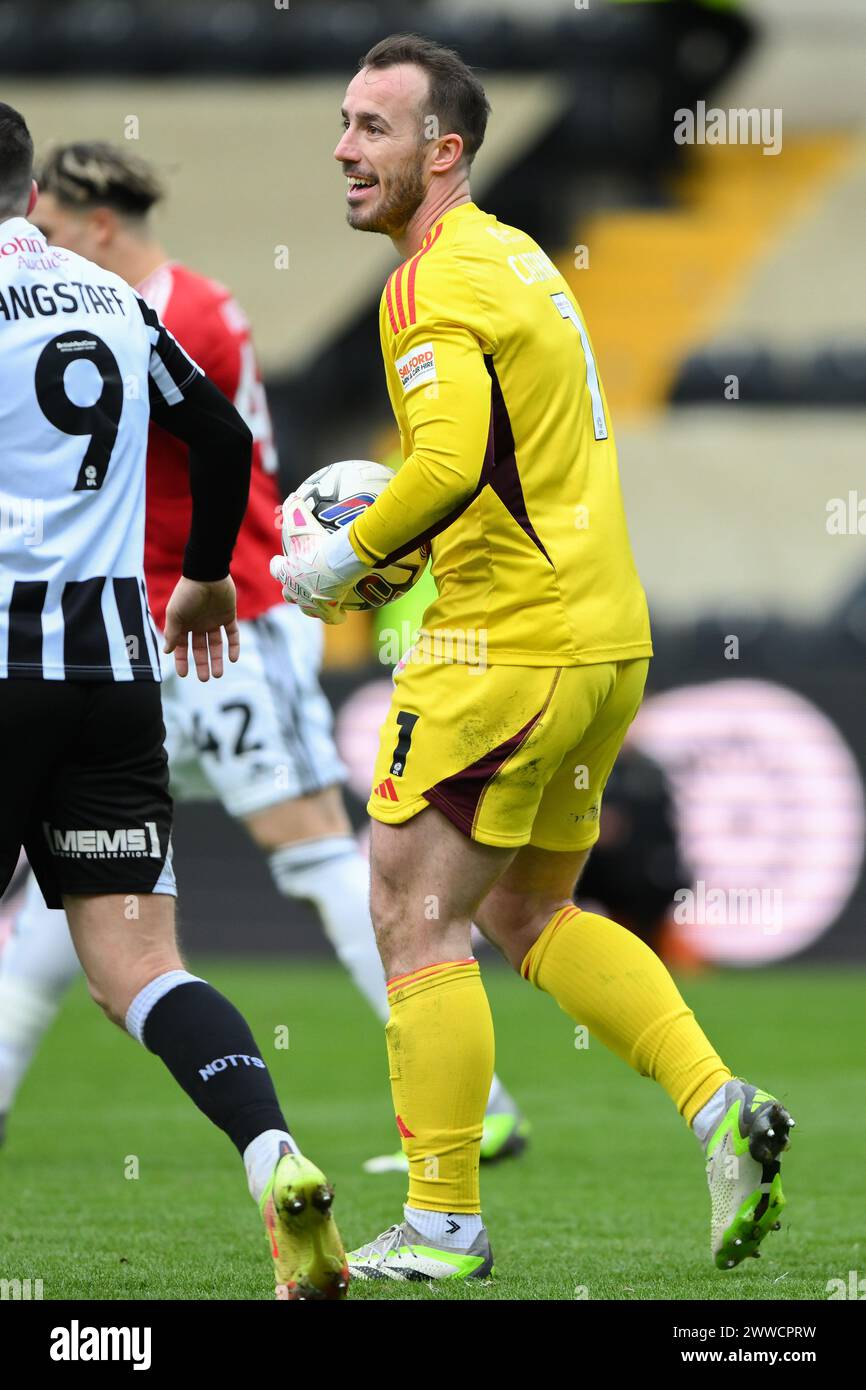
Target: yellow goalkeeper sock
605, 977
440, 1050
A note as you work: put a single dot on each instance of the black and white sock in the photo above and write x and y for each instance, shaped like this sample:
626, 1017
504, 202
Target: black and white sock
211, 1053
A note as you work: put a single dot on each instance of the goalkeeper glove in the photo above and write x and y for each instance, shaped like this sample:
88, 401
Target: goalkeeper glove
318, 568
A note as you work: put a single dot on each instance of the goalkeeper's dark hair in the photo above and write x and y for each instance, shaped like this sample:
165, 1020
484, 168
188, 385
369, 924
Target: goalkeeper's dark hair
94, 174
16, 161
456, 97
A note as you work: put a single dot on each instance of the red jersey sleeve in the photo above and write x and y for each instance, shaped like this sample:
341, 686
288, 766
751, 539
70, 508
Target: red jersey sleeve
215, 348
212, 328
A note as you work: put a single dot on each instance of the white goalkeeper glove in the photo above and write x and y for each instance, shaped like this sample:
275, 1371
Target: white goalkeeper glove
320, 566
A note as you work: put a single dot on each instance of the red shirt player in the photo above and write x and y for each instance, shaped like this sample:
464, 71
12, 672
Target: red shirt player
211, 326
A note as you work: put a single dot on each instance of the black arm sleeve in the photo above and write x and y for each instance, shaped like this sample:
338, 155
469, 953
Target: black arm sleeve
220, 454
188, 405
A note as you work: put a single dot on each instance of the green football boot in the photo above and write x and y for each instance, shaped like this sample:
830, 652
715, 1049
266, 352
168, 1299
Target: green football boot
743, 1172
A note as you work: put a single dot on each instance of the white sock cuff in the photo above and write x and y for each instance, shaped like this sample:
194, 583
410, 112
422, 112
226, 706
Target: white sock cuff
23, 1007
137, 1013
261, 1156
445, 1230
307, 855
710, 1116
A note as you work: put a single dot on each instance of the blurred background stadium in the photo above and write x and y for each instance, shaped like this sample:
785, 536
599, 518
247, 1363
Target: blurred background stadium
723, 286
724, 290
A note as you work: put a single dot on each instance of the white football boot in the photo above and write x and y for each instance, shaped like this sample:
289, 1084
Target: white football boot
743, 1172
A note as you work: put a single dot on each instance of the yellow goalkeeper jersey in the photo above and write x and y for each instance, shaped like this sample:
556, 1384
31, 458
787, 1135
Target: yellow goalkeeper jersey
510, 466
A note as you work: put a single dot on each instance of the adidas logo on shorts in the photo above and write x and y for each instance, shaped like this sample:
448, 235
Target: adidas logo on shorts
387, 790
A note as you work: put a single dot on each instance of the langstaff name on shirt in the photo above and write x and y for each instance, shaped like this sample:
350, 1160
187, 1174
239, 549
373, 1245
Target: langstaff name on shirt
61, 297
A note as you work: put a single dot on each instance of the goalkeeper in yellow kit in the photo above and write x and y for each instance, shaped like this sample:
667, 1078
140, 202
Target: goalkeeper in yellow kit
531, 663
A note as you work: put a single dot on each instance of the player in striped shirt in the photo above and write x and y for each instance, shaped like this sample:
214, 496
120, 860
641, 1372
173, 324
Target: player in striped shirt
86, 364
261, 740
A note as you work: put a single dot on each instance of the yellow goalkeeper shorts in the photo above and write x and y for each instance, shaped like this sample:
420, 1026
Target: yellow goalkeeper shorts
512, 755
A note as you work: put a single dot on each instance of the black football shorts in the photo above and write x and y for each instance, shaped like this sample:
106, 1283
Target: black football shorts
84, 781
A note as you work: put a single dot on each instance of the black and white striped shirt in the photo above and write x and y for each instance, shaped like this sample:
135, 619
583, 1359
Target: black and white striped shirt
83, 362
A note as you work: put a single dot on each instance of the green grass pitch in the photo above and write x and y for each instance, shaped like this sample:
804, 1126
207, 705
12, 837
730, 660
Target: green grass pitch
610, 1201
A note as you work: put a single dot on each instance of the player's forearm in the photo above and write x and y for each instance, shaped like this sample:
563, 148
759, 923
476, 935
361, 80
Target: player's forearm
219, 486
430, 490
446, 418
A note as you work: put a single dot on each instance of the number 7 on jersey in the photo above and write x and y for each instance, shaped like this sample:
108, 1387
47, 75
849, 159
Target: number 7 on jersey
568, 311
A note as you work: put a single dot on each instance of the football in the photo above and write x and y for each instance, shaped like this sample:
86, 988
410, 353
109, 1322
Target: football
337, 494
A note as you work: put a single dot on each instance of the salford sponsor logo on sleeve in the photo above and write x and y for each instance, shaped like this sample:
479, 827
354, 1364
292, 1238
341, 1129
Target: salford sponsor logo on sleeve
418, 367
